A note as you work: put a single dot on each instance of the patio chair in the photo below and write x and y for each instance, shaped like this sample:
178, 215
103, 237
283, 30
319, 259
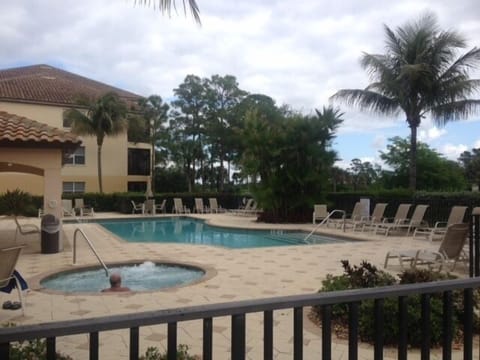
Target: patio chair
400, 217
67, 207
373, 220
449, 251
25, 229
320, 212
140, 207
9, 278
214, 208
149, 206
345, 221
457, 214
199, 207
408, 224
178, 207
162, 207
84, 209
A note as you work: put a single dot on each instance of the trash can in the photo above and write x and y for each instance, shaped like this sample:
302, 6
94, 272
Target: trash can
50, 227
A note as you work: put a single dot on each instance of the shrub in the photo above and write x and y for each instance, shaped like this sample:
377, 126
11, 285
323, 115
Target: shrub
153, 353
17, 202
366, 276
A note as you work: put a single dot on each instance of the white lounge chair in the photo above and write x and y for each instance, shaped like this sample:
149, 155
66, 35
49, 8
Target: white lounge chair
408, 224
450, 250
162, 207
178, 207
67, 207
457, 214
320, 212
138, 208
84, 209
25, 229
401, 217
199, 207
373, 220
214, 208
349, 220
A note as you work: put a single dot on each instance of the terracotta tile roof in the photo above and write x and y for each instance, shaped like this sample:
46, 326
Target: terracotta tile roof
17, 130
49, 85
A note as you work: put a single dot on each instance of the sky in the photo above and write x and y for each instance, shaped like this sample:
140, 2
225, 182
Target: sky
297, 52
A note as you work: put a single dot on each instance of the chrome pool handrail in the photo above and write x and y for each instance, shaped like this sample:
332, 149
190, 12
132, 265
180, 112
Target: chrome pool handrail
324, 221
78, 230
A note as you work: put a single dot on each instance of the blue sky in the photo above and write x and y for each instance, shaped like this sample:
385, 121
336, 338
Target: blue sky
299, 53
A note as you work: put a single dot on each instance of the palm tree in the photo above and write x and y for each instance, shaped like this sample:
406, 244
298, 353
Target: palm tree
102, 117
420, 73
165, 6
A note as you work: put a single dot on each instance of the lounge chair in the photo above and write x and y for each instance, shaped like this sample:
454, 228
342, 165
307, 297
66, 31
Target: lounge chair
408, 224
162, 207
178, 207
8, 261
214, 208
450, 250
25, 229
140, 207
199, 207
320, 212
67, 207
373, 220
149, 206
401, 216
84, 209
350, 220
457, 214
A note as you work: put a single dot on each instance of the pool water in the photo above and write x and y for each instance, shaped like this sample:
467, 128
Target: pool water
139, 277
192, 231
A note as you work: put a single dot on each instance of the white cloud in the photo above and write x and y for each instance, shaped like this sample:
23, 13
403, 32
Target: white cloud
452, 151
298, 53
427, 135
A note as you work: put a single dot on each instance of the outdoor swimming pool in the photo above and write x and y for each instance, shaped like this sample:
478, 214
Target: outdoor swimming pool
193, 231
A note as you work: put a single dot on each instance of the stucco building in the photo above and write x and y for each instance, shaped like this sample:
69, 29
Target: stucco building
43, 93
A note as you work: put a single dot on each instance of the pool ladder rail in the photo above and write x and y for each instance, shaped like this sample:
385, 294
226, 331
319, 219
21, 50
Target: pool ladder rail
77, 231
324, 221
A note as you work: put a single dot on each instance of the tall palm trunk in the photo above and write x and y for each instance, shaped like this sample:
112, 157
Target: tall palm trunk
412, 181
99, 165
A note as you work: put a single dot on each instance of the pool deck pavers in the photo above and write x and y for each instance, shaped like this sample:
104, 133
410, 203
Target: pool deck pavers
237, 274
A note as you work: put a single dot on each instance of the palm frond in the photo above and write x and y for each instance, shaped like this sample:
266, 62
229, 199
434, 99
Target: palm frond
367, 100
165, 6
454, 111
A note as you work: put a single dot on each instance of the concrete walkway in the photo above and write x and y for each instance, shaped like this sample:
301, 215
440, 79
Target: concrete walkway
238, 274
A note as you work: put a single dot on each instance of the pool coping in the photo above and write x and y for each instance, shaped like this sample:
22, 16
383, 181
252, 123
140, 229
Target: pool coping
35, 281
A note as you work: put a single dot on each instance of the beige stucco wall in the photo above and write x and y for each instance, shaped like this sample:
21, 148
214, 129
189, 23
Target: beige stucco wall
46, 162
114, 155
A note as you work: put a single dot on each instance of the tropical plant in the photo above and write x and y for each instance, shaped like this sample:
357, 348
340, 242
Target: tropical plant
100, 117
435, 172
165, 6
419, 74
17, 202
290, 154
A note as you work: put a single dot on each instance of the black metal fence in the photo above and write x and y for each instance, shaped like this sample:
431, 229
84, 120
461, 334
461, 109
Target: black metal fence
238, 312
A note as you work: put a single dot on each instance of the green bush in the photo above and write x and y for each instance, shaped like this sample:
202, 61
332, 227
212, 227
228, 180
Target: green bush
153, 353
367, 276
17, 202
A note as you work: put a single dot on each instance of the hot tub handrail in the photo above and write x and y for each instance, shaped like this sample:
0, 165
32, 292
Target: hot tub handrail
324, 221
78, 230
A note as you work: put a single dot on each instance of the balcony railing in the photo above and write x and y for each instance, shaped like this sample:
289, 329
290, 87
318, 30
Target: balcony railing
239, 310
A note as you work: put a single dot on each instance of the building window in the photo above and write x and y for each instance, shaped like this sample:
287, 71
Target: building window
77, 158
73, 187
138, 162
67, 123
137, 186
